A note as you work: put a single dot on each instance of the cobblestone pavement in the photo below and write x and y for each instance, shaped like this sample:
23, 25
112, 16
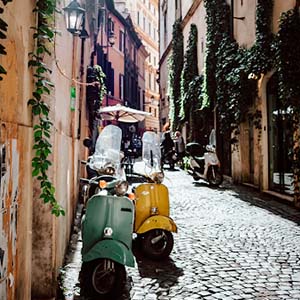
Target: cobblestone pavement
232, 243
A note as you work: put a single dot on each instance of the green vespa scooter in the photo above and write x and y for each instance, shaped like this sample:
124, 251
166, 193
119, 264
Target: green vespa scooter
107, 225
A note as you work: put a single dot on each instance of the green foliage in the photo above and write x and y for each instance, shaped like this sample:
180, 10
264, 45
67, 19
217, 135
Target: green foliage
3, 30
44, 36
189, 72
231, 72
175, 63
100, 77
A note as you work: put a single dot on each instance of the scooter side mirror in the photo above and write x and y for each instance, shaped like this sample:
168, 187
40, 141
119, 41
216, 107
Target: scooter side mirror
87, 142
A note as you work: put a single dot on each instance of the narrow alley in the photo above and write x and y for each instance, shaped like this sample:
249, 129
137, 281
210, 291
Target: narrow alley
232, 243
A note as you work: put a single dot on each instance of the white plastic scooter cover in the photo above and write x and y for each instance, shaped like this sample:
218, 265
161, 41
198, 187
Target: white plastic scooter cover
107, 149
151, 151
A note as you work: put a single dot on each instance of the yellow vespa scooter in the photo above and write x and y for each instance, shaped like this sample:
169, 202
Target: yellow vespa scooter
153, 224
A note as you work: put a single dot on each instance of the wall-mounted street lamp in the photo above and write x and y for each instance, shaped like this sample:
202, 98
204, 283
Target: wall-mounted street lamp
74, 15
111, 39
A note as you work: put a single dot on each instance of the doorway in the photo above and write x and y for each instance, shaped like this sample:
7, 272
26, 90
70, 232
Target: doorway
280, 141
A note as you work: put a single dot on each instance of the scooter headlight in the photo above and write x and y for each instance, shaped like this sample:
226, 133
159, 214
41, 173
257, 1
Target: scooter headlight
109, 170
158, 177
108, 232
121, 188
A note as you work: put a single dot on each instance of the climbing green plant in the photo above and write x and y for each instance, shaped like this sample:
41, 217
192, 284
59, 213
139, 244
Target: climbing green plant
3, 30
189, 72
194, 98
100, 79
175, 63
43, 35
231, 72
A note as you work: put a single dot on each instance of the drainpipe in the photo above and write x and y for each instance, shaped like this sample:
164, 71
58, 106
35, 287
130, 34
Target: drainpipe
232, 19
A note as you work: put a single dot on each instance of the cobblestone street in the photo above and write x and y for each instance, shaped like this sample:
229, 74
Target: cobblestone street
232, 243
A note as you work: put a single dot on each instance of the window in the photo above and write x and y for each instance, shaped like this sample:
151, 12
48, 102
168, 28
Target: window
138, 18
121, 86
149, 28
121, 41
144, 23
150, 81
165, 28
111, 26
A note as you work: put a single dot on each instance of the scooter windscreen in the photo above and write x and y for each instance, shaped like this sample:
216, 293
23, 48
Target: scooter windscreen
107, 156
151, 151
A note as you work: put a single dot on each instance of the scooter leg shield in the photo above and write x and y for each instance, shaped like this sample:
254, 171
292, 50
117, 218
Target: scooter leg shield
157, 222
113, 250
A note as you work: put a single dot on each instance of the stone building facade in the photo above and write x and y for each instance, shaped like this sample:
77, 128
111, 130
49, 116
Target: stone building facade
259, 157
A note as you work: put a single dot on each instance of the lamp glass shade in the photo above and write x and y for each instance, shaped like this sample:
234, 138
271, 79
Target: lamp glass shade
111, 39
74, 15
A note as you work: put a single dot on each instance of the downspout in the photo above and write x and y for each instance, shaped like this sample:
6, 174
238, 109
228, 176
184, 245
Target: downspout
232, 19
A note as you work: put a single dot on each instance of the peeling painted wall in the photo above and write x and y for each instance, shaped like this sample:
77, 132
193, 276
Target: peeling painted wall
12, 253
32, 241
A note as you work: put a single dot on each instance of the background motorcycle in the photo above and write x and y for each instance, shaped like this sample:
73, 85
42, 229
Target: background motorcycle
205, 164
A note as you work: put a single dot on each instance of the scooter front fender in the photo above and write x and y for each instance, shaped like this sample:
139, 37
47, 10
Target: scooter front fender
157, 222
110, 249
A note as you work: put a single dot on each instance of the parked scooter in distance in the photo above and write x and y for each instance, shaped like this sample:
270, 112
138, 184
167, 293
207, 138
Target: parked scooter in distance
153, 224
107, 225
205, 165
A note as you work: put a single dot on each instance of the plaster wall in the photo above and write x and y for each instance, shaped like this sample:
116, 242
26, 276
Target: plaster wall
116, 57
197, 18
165, 37
15, 208
185, 6
51, 240
164, 105
244, 30
33, 242
279, 7
15, 155
241, 156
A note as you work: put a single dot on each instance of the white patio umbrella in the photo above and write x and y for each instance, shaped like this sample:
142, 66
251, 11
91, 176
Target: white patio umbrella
122, 114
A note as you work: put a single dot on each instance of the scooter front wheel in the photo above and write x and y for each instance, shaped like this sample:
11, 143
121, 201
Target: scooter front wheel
157, 243
214, 176
102, 278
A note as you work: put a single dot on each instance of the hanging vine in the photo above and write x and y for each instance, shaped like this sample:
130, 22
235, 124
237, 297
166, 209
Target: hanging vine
44, 34
3, 30
189, 72
231, 72
175, 63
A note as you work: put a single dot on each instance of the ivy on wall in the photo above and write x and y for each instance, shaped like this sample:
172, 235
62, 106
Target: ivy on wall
194, 98
3, 30
175, 64
231, 72
44, 34
189, 72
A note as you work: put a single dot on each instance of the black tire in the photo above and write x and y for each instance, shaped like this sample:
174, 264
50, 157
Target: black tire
98, 281
214, 176
162, 248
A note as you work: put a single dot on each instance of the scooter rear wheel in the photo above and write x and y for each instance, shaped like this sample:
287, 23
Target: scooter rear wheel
102, 278
157, 243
